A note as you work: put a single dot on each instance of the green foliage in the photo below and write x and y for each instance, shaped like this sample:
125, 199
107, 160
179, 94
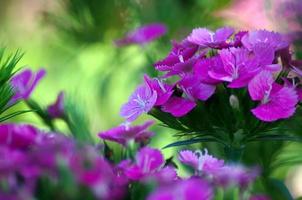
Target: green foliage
41, 112
86, 21
76, 120
8, 64
64, 187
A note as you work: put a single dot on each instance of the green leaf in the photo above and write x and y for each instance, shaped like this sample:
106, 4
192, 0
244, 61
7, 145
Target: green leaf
41, 112
275, 137
8, 65
11, 115
76, 120
6, 94
189, 142
282, 188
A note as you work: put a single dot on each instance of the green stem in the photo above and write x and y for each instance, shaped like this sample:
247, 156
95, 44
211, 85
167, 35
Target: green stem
233, 154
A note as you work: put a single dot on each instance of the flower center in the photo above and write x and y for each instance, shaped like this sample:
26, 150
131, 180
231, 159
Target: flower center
201, 158
267, 93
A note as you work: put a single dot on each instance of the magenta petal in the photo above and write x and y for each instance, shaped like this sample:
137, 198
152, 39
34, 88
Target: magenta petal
203, 91
178, 106
163, 90
260, 85
181, 52
20, 136
195, 89
281, 105
189, 158
124, 133
276, 40
242, 81
190, 189
264, 53
203, 66
149, 159
221, 77
166, 175
141, 101
134, 173
200, 36
273, 67
222, 34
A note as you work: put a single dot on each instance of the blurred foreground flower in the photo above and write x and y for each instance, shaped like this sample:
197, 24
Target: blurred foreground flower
123, 134
194, 188
33, 162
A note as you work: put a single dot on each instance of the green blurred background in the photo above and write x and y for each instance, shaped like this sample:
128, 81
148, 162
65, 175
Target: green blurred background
74, 41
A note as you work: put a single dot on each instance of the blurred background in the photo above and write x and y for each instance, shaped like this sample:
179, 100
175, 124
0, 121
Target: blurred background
74, 41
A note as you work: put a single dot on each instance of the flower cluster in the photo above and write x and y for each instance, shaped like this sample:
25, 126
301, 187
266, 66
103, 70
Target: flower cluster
205, 61
30, 156
32, 160
214, 86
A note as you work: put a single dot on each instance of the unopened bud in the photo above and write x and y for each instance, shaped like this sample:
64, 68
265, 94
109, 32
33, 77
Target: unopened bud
234, 102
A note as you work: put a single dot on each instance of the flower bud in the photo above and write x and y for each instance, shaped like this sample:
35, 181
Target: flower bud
234, 102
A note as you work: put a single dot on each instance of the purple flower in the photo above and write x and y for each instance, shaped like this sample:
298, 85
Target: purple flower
201, 162
277, 102
237, 175
18, 136
193, 188
264, 57
163, 90
206, 38
141, 101
238, 68
149, 165
24, 83
124, 133
180, 58
203, 66
143, 35
56, 110
195, 89
178, 106
276, 40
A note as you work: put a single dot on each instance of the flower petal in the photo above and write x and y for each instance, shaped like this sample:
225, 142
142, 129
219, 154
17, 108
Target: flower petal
178, 106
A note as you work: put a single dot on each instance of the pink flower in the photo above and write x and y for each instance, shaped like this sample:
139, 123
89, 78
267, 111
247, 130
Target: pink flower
201, 162
273, 39
124, 133
238, 68
237, 175
206, 38
193, 188
195, 89
163, 90
18, 136
276, 101
149, 164
180, 55
141, 101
